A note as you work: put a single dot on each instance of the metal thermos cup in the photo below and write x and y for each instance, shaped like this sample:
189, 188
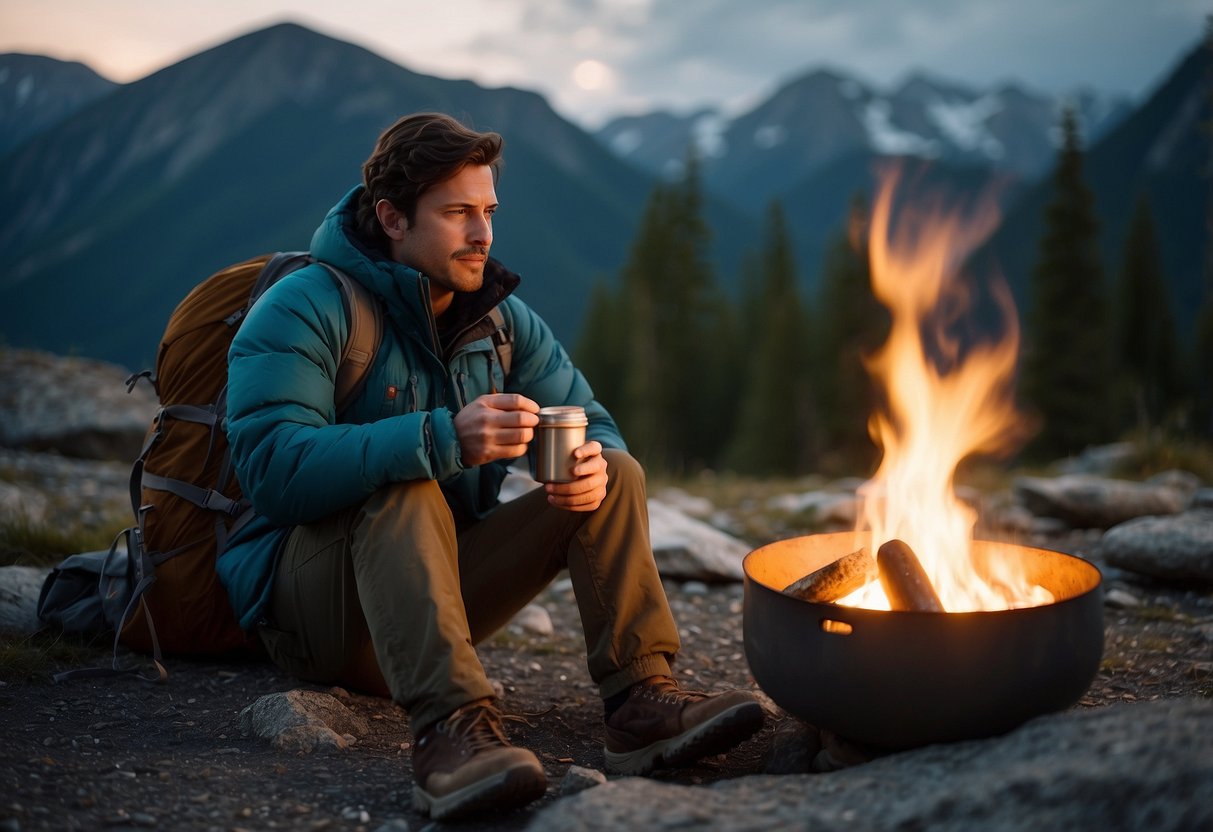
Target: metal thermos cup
561, 430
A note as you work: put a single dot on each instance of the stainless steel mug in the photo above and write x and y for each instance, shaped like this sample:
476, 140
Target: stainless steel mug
560, 431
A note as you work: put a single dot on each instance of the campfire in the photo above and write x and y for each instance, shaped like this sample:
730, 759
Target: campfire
907, 630
933, 419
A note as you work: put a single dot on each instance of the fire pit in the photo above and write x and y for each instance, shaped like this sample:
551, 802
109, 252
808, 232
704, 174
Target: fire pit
905, 679
958, 638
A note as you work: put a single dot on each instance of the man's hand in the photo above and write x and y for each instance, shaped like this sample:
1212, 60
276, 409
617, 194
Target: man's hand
496, 426
586, 492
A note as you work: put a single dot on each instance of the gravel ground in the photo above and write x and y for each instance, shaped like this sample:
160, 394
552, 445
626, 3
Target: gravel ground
119, 753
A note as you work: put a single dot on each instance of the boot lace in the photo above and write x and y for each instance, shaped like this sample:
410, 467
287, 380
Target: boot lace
665, 689
478, 724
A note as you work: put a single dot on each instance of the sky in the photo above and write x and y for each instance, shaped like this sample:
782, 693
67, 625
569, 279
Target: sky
594, 59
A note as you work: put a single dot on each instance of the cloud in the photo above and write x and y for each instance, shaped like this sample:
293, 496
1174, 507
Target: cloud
668, 54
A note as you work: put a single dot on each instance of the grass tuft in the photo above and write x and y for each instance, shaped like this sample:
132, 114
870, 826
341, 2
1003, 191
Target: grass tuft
33, 657
27, 543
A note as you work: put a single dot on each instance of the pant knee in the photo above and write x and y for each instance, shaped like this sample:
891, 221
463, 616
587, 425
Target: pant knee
623, 470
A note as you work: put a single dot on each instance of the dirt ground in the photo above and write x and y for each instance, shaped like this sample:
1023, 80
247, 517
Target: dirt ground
119, 753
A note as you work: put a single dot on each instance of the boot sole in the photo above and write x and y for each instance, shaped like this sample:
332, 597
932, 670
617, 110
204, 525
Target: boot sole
505, 790
717, 735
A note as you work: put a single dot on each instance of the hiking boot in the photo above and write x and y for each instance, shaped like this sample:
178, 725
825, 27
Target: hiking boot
464, 763
661, 725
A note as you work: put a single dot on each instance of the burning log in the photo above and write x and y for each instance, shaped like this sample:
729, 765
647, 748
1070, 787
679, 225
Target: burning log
903, 579
836, 579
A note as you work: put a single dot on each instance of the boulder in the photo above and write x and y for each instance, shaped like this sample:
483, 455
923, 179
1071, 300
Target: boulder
20, 587
1176, 548
689, 549
76, 406
1138, 766
1085, 502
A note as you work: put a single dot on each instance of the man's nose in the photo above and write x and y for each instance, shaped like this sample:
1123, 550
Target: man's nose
480, 231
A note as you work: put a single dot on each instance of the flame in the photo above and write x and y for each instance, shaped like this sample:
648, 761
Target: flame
944, 402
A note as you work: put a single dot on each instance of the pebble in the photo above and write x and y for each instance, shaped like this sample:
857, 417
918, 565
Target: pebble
578, 779
1121, 599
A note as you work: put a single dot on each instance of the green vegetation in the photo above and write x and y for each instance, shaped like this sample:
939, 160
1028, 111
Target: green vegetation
29, 657
29, 543
1067, 358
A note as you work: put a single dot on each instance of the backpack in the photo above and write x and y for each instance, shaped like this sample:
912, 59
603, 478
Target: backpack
185, 496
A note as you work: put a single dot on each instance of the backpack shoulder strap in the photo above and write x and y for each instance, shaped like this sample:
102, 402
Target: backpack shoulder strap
365, 317
503, 339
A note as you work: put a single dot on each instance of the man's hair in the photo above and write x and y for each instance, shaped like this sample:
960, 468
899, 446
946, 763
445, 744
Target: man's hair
414, 154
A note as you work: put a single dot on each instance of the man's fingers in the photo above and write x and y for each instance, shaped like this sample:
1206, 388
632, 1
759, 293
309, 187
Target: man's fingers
509, 401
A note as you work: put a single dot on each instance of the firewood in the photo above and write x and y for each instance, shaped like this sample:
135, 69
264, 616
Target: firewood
836, 579
905, 583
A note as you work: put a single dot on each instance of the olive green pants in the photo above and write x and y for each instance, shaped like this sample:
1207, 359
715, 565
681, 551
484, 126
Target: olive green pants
390, 597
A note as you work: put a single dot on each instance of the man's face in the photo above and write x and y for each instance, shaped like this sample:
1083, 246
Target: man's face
451, 233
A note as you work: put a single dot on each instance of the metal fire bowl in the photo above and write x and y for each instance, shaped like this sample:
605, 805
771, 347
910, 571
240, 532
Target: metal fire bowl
906, 679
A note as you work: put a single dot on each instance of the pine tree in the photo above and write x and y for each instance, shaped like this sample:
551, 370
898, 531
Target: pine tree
600, 349
775, 427
851, 325
1145, 326
1068, 351
677, 330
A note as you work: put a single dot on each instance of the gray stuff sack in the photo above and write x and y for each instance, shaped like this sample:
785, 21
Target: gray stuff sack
88, 592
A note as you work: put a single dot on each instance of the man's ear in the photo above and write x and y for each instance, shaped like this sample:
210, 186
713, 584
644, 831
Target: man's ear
393, 222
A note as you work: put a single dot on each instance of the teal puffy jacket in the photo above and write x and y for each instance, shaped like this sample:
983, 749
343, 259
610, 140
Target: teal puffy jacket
297, 464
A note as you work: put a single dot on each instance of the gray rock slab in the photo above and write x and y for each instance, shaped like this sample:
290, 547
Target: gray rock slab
1132, 766
77, 406
20, 587
690, 549
1177, 548
1094, 502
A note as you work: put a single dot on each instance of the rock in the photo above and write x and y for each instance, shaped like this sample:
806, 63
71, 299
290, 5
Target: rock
1203, 498
76, 406
689, 549
1091, 502
1099, 459
533, 618
20, 587
1121, 599
794, 744
700, 508
829, 508
1178, 548
1139, 766
301, 721
393, 825
578, 779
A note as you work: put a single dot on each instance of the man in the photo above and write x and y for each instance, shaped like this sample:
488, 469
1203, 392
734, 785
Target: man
380, 554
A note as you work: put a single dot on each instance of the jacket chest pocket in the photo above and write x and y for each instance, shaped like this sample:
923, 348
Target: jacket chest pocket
400, 398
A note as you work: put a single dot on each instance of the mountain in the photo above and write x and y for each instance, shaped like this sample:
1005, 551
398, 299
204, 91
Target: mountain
1162, 152
242, 149
825, 116
36, 92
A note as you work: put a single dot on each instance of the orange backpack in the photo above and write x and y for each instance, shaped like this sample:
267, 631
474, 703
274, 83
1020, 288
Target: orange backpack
184, 492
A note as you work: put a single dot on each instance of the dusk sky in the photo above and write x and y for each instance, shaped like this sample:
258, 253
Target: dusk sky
598, 58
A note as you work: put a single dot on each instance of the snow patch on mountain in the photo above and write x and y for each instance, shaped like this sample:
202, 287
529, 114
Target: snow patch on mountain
964, 123
886, 137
